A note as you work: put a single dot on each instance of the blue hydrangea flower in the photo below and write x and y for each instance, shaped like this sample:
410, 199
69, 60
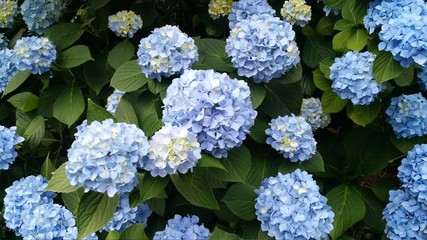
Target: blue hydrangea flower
422, 75
292, 136
296, 12
8, 11
312, 112
92, 236
22, 197
125, 23
413, 172
172, 149
8, 141
212, 105
33, 53
408, 115
103, 156
328, 10
113, 100
185, 228
353, 78
4, 41
404, 36
49, 221
405, 217
40, 14
290, 206
262, 47
244, 9
124, 216
7, 68
165, 52
219, 8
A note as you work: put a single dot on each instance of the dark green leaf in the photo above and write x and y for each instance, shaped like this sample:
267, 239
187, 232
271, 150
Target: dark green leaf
219, 234
47, 168
406, 77
314, 164
237, 164
24, 101
405, 145
150, 187
47, 99
315, 49
16, 81
320, 81
72, 199
282, 99
354, 11
97, 113
358, 40
208, 161
120, 54
69, 105
385, 67
64, 35
374, 210
364, 114
126, 113
335, 4
212, 55
35, 131
59, 182
136, 231
112, 235
257, 94
325, 67
240, 199
257, 131
332, 103
74, 56
129, 77
96, 4
382, 186
325, 26
343, 25
292, 76
339, 42
262, 166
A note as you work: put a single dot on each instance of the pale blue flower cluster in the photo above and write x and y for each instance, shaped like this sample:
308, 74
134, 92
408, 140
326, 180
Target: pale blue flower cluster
8, 11
7, 68
184, 228
296, 12
413, 173
422, 75
292, 136
312, 112
215, 107
244, 9
262, 47
290, 206
103, 156
172, 149
405, 217
40, 14
328, 10
4, 41
8, 141
22, 197
407, 114
403, 36
165, 52
113, 100
124, 216
353, 78
33, 53
125, 23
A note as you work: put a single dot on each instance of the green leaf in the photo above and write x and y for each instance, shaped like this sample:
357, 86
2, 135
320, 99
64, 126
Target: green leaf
335, 4
74, 56
354, 11
237, 164
314, 164
69, 105
16, 37
94, 211
364, 114
16, 81
405, 145
331, 102
64, 35
59, 182
97, 113
339, 42
343, 25
282, 99
240, 199
112, 235
320, 81
358, 40
156, 87
315, 49
47, 99
348, 206
24, 101
325, 67
325, 26
257, 131
35, 131
126, 113
150, 187
48, 168
385, 67
374, 210
262, 166
406, 77
121, 53
194, 188
257, 93
212, 55
219, 234
292, 76
208, 161
96, 4
135, 231
129, 77
382, 187
96, 74
72, 200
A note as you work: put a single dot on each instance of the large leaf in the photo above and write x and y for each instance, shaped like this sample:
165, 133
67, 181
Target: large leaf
35, 131
364, 114
74, 56
348, 206
325, 26
237, 164
150, 187
97, 113
335, 4
212, 55
331, 102
126, 113
405, 145
354, 11
320, 81
48, 168
385, 67
16, 81
64, 34
72, 199
282, 99
406, 77
339, 41
374, 210
257, 93
24, 101
94, 211
136, 231
262, 166
315, 49
240, 199
381, 188
120, 54
129, 77
59, 182
219, 234
358, 40
257, 131
208, 161
69, 105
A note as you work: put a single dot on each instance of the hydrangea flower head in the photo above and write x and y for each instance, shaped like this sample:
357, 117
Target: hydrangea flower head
407, 114
125, 23
104, 155
292, 136
405, 217
296, 12
413, 173
244, 9
34, 53
4, 41
404, 36
49, 221
124, 216
8, 141
172, 149
290, 206
215, 107
40, 14
165, 52
183, 228
262, 47
422, 75
7, 68
22, 197
353, 78
219, 8
113, 100
8, 11
312, 112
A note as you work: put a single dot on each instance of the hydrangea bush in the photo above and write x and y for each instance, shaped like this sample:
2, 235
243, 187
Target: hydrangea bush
221, 119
